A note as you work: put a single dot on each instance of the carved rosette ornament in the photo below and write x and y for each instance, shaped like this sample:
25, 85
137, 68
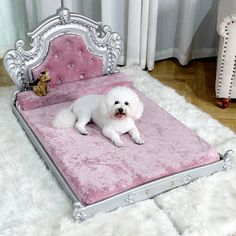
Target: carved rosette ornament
185, 179
99, 39
131, 198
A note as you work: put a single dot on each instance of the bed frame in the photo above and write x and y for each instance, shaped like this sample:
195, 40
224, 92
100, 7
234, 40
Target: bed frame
101, 41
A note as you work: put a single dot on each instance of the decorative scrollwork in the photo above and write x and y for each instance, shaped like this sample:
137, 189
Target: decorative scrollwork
14, 63
17, 61
111, 41
115, 49
31, 54
99, 39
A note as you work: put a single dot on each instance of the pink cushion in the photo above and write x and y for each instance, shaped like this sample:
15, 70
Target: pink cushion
95, 169
70, 91
69, 59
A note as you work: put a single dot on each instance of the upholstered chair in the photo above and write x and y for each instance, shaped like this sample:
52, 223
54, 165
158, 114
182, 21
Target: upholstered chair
225, 84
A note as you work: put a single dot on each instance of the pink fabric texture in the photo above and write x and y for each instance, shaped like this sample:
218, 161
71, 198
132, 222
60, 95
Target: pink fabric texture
95, 169
70, 91
69, 59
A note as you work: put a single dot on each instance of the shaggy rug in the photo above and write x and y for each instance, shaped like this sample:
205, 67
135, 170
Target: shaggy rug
31, 203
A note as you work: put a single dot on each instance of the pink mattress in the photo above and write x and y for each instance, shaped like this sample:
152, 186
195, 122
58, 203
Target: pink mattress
95, 169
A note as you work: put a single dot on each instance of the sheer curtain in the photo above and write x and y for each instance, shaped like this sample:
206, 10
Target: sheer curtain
136, 21
186, 29
38, 10
158, 29
151, 29
13, 23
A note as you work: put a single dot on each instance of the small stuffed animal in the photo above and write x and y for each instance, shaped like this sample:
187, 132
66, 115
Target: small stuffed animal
40, 85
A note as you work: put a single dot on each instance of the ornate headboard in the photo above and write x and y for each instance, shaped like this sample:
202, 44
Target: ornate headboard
75, 46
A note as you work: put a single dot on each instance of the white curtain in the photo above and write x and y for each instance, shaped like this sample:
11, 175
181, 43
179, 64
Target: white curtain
38, 10
186, 29
136, 21
13, 23
158, 29
151, 29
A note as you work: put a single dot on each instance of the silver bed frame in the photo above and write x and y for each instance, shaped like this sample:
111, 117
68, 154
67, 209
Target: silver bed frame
101, 41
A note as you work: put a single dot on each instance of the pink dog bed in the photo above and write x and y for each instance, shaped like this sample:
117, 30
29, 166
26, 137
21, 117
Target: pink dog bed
93, 167
81, 57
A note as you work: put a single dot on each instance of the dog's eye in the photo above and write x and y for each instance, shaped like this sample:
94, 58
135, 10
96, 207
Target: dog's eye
126, 103
116, 102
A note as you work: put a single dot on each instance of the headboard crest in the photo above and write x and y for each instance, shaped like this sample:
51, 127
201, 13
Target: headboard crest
99, 39
64, 15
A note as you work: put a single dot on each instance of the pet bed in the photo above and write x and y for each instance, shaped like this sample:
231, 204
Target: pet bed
81, 57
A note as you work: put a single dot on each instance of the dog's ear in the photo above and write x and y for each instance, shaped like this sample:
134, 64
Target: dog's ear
46, 72
138, 111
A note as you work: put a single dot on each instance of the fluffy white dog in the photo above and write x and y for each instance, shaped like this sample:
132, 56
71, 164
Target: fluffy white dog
114, 113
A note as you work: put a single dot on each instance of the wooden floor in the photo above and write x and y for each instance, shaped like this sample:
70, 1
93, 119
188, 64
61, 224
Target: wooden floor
194, 81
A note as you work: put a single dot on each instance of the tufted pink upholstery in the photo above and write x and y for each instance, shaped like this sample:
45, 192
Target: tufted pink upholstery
95, 169
69, 59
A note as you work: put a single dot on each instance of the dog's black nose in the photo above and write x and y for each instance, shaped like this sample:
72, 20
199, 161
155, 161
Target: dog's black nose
120, 110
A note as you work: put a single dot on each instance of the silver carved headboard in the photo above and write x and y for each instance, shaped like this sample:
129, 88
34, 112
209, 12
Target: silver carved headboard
100, 40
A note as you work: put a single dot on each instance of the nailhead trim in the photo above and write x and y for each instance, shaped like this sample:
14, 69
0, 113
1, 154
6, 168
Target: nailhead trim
222, 64
233, 76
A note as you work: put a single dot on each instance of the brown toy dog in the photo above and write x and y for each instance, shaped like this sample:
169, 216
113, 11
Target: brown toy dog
40, 85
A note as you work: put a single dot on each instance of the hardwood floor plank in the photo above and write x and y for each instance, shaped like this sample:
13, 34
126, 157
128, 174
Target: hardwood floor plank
196, 82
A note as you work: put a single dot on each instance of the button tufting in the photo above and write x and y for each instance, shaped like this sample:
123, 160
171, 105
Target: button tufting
71, 65
59, 81
82, 76
80, 51
91, 60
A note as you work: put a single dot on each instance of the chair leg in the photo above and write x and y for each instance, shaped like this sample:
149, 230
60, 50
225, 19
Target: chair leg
225, 102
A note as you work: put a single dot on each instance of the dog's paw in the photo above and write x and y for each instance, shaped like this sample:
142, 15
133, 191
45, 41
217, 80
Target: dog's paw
139, 141
118, 143
83, 131
81, 128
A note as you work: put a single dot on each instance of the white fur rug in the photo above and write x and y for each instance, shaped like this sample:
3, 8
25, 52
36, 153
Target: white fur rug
31, 203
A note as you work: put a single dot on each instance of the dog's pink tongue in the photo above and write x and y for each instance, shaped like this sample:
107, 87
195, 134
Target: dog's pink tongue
119, 115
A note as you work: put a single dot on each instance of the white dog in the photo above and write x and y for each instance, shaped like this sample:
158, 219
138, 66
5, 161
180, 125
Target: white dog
114, 113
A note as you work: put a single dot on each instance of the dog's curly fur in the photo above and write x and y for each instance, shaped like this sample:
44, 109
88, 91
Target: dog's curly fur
40, 86
114, 113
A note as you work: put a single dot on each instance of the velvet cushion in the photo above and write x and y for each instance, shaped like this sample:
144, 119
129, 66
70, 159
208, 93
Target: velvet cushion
95, 169
68, 59
70, 91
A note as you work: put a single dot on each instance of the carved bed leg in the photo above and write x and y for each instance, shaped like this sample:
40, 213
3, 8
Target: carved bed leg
227, 157
79, 214
225, 102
